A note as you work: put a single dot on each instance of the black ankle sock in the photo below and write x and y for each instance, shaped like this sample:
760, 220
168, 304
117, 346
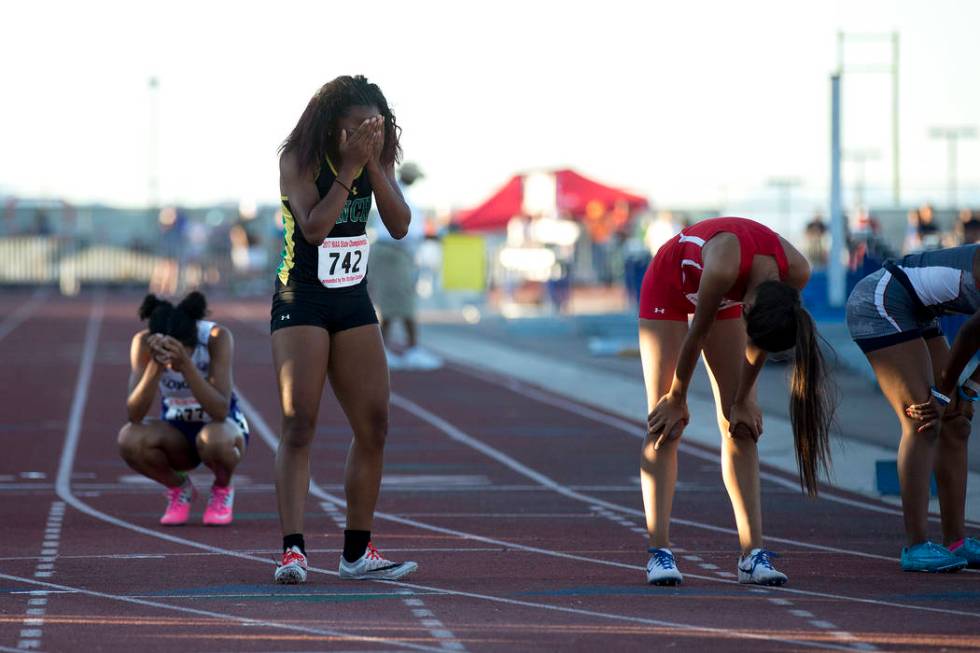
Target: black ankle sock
355, 544
294, 539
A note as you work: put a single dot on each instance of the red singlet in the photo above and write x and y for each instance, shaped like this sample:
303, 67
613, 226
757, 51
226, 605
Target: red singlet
670, 285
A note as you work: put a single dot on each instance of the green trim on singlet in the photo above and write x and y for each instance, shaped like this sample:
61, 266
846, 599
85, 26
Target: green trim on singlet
288, 255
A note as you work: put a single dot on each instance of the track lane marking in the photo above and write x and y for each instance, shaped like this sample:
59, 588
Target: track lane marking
64, 491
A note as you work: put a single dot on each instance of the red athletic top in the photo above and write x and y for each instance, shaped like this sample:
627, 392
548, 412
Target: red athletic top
670, 285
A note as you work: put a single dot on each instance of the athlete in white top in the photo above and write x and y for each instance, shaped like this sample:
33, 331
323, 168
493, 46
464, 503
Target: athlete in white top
187, 360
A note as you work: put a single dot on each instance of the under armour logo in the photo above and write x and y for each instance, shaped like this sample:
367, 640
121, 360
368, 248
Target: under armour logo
284, 317
659, 310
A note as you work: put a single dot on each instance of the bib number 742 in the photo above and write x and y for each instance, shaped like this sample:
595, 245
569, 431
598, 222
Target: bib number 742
342, 262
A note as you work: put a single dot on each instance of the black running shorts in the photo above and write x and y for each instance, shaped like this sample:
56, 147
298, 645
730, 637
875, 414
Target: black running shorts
333, 311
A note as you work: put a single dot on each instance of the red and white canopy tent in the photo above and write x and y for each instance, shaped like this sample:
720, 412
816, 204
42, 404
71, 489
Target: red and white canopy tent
573, 193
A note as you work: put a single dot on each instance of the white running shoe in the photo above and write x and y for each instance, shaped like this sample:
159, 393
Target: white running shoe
756, 568
374, 565
420, 359
292, 569
661, 568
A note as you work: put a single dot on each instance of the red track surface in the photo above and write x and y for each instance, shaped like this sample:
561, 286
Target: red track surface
521, 509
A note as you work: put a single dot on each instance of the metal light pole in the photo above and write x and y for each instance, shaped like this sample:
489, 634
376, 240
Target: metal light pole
952, 135
836, 274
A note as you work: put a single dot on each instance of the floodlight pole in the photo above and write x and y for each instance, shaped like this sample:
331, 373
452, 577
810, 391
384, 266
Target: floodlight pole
836, 272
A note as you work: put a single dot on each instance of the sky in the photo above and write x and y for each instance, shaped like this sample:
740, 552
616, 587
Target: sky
690, 103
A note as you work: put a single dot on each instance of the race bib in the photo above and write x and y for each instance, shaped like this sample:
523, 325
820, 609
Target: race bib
184, 409
342, 262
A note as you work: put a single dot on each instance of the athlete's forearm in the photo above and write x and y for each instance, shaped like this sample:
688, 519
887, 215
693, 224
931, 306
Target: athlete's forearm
328, 210
752, 365
141, 397
686, 362
212, 400
964, 348
392, 208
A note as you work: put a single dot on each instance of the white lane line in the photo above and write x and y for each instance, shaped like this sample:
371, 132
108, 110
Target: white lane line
263, 430
825, 625
637, 431
223, 616
37, 607
63, 489
24, 311
447, 640
334, 514
458, 435
803, 614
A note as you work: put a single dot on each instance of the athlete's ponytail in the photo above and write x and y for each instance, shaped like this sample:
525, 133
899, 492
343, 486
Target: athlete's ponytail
178, 321
777, 322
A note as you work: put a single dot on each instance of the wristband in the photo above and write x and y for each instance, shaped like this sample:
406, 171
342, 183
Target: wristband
972, 385
940, 397
965, 396
344, 186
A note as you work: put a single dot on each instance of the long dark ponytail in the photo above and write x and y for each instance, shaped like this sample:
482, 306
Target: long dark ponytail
178, 321
777, 322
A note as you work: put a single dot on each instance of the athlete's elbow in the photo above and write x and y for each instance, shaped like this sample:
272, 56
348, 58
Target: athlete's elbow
315, 239
399, 232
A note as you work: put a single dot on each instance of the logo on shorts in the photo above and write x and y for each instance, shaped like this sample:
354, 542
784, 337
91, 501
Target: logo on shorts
283, 318
659, 310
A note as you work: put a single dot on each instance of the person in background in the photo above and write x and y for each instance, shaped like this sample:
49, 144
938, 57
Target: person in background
391, 284
815, 241
922, 233
967, 230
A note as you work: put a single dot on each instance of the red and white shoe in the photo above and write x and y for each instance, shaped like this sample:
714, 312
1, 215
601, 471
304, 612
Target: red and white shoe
179, 504
374, 565
220, 506
292, 569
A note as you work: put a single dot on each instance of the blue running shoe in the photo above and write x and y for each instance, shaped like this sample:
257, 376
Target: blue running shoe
969, 551
756, 568
661, 568
931, 557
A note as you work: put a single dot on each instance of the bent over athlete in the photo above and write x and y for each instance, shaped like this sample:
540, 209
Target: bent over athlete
340, 153
892, 315
721, 270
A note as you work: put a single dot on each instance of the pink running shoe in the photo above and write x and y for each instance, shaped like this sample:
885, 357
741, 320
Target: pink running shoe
179, 504
219, 510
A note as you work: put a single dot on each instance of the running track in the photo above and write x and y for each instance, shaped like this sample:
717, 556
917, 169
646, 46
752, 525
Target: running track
522, 509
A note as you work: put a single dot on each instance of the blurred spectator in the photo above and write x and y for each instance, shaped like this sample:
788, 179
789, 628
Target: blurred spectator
922, 232
967, 230
815, 241
42, 224
659, 231
393, 273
